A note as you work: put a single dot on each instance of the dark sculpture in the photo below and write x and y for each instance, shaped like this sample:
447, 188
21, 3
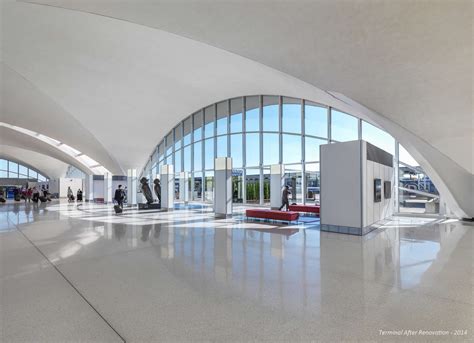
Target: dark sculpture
146, 190
157, 188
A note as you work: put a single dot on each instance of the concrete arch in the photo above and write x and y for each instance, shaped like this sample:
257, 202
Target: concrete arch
150, 76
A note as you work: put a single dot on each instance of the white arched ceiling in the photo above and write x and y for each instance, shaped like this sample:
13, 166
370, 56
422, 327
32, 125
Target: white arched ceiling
45, 164
128, 84
25, 106
13, 138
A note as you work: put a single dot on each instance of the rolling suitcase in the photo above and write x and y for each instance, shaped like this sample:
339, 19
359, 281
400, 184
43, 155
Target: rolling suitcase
42, 199
118, 209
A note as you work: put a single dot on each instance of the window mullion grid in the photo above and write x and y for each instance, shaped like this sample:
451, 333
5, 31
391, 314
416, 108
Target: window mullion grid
303, 154
261, 193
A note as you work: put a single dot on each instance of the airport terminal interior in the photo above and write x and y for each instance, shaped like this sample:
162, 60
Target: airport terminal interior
235, 171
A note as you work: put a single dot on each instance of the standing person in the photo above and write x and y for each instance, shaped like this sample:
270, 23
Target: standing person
70, 195
118, 197
284, 198
35, 195
29, 194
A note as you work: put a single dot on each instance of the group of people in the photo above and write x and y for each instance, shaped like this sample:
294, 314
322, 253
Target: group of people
70, 195
34, 194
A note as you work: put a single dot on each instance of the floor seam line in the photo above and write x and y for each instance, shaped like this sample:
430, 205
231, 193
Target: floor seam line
69, 282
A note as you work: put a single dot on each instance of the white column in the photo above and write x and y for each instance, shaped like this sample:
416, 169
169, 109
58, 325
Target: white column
108, 188
277, 179
223, 187
89, 194
183, 187
131, 186
167, 187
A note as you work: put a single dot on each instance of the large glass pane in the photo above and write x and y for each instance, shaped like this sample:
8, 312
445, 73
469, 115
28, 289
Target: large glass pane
169, 144
197, 187
12, 167
3, 174
417, 193
312, 148
291, 116
187, 132
32, 174
177, 161
378, 137
222, 114
209, 186
197, 156
3, 164
209, 154
252, 149
252, 113
41, 178
293, 181
344, 127
405, 157
197, 122
237, 185
23, 170
271, 144
236, 115
291, 149
270, 113
178, 133
209, 121
316, 120
222, 146
236, 150
266, 185
252, 185
313, 183
187, 158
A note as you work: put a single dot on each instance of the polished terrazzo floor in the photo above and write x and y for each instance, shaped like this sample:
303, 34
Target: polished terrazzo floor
71, 273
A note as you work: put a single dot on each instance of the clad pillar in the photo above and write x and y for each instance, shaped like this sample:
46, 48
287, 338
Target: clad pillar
131, 186
277, 180
223, 187
108, 188
167, 187
184, 187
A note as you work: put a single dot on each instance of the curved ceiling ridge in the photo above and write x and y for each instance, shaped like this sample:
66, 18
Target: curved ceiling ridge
52, 100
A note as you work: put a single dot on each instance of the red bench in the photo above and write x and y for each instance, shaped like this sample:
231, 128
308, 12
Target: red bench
305, 208
272, 214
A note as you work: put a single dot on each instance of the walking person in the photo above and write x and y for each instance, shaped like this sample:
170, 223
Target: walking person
119, 195
70, 195
284, 198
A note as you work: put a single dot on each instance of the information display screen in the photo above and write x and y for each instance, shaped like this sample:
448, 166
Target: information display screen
377, 190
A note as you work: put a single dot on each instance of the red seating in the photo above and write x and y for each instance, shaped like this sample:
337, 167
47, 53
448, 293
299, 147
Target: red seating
305, 208
272, 214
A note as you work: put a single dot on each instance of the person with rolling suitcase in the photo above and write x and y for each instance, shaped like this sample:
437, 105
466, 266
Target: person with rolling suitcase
118, 197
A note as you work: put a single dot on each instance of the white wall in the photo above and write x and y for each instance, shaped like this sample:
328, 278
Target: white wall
376, 211
341, 194
347, 186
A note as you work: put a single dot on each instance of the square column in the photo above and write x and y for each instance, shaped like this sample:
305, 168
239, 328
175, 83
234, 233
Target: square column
89, 191
108, 197
277, 180
223, 187
183, 187
167, 187
131, 187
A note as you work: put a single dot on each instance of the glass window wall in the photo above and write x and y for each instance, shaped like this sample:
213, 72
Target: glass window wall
249, 130
291, 116
344, 127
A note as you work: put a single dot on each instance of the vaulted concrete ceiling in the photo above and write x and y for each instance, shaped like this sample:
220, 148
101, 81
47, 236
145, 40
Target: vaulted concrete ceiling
45, 164
122, 84
410, 61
